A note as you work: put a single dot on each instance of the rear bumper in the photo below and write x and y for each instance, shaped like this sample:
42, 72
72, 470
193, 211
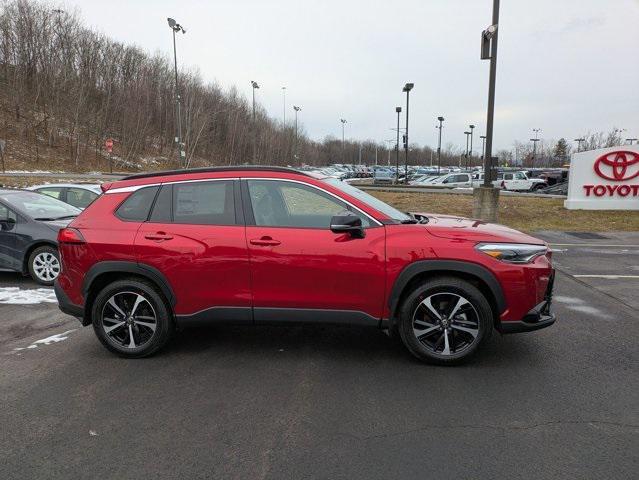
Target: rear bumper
537, 318
66, 305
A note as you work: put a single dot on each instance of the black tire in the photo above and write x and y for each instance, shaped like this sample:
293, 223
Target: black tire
37, 271
539, 186
153, 302
445, 292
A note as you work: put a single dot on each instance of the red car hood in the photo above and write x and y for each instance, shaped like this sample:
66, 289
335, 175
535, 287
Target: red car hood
448, 226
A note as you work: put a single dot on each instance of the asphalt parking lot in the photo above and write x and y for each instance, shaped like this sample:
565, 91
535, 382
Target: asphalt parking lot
327, 402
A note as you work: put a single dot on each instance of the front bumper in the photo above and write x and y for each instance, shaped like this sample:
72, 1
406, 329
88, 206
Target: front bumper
537, 318
65, 304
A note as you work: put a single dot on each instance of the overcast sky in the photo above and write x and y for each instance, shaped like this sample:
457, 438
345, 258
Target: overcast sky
565, 66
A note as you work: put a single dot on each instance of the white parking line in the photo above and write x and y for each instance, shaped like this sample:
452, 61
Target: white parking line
607, 277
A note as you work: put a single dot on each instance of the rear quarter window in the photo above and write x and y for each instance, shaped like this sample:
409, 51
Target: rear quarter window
138, 205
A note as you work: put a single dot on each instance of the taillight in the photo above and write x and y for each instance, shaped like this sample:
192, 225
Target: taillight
70, 235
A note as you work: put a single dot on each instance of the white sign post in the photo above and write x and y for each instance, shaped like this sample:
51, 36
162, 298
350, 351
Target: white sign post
604, 179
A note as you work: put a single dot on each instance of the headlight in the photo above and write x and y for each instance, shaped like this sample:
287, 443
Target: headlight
512, 252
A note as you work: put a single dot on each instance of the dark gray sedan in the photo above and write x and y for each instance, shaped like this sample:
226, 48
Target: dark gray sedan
29, 225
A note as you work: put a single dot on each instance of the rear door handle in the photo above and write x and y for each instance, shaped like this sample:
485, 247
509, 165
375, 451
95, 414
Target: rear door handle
158, 237
265, 242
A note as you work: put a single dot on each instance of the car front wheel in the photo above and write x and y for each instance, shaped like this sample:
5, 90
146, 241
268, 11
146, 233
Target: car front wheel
131, 318
445, 320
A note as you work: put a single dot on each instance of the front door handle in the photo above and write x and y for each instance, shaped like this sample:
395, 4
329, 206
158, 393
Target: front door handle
265, 242
158, 237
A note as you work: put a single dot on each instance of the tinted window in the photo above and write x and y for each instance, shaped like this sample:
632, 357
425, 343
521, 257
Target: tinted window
137, 205
162, 210
204, 203
508, 176
52, 192
79, 197
288, 204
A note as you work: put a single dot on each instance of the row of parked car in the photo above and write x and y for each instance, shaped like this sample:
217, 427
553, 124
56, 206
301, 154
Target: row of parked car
29, 224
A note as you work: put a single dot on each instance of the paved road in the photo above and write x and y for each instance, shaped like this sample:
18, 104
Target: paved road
319, 402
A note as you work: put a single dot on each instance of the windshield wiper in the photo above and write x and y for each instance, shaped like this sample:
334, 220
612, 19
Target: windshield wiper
44, 219
65, 217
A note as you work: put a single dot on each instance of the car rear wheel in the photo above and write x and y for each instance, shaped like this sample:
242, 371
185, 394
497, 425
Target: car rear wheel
131, 318
445, 320
44, 265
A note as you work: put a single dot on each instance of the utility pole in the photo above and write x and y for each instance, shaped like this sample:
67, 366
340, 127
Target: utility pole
176, 27
486, 197
631, 140
483, 147
407, 88
579, 141
439, 145
398, 110
255, 87
535, 140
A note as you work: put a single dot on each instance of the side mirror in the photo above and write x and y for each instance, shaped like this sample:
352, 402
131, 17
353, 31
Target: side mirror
7, 223
351, 224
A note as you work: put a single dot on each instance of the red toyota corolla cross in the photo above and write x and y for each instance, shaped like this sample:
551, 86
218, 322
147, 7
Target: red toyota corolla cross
258, 245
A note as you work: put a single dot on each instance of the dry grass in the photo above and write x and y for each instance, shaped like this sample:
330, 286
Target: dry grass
528, 214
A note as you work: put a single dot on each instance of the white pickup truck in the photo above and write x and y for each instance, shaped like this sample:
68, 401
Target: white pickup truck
514, 181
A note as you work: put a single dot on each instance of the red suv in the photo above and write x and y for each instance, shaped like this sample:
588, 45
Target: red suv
259, 245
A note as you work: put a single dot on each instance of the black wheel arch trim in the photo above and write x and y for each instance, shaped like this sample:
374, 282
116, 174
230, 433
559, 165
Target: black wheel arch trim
448, 266
141, 269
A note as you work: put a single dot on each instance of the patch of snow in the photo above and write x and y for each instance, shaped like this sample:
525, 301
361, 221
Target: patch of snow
59, 337
17, 296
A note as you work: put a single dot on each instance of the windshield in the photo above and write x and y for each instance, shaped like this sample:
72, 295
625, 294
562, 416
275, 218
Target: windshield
39, 206
368, 199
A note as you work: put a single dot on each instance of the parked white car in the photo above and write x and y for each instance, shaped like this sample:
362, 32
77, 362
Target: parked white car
80, 195
514, 181
453, 180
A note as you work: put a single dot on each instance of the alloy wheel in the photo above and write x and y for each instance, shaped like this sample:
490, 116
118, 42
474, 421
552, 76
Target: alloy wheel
446, 323
129, 320
46, 266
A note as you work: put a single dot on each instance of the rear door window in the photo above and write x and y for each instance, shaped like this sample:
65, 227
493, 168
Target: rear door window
204, 203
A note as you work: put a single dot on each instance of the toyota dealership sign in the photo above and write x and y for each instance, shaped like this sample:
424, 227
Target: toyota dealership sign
604, 179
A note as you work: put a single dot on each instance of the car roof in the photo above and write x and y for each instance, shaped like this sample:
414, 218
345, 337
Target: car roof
243, 168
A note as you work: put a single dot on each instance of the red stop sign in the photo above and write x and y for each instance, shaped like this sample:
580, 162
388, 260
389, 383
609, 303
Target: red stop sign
109, 145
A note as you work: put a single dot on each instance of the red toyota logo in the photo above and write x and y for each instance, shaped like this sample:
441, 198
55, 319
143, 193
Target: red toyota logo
616, 166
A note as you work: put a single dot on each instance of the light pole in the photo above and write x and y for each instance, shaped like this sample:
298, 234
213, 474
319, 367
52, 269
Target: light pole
176, 27
483, 146
344, 122
632, 140
255, 87
472, 127
535, 140
407, 88
390, 142
439, 145
486, 198
284, 110
297, 109
466, 154
579, 141
398, 110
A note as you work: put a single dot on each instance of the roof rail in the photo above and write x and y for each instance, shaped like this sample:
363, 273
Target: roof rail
213, 170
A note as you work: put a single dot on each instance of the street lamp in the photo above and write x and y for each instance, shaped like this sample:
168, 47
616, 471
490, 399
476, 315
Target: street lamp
390, 142
486, 198
483, 146
398, 110
472, 127
407, 88
284, 110
466, 154
535, 140
297, 109
176, 27
579, 141
439, 145
255, 86
344, 122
